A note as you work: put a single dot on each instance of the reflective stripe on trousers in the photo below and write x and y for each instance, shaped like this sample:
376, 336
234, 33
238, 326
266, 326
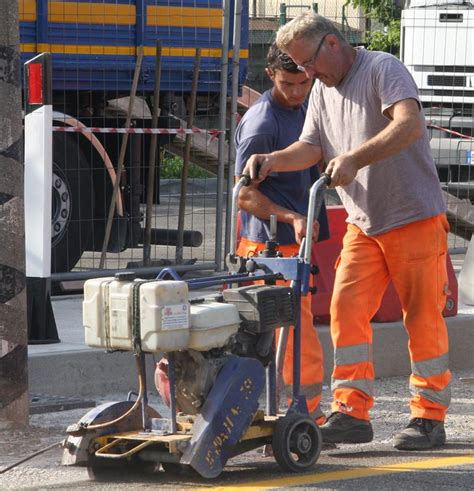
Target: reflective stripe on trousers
311, 353
434, 369
414, 258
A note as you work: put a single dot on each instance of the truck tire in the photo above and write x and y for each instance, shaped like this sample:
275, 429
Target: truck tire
72, 207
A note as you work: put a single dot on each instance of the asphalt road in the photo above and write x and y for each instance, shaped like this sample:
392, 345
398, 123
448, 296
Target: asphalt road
376, 465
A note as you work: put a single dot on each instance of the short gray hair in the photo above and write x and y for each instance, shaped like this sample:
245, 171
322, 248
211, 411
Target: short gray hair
307, 25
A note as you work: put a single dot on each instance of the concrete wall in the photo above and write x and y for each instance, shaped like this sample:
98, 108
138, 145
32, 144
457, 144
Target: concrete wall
90, 372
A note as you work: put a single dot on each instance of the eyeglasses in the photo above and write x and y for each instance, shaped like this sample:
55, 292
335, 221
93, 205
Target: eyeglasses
307, 65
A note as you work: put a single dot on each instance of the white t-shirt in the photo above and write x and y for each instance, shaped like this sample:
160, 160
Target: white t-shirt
391, 192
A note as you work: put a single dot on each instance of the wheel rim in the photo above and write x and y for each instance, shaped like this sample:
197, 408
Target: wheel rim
302, 448
60, 207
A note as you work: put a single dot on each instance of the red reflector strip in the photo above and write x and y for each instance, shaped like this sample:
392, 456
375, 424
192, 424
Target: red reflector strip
35, 83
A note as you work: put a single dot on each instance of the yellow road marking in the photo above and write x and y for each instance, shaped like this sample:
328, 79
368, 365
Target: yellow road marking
349, 474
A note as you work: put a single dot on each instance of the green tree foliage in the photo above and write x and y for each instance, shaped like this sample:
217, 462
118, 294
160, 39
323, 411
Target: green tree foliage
387, 39
380, 10
385, 13
171, 167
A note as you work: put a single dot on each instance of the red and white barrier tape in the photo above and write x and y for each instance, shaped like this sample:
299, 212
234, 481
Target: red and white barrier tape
137, 131
451, 132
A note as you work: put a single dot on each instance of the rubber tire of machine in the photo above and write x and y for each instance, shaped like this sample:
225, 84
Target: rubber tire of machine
72, 203
296, 442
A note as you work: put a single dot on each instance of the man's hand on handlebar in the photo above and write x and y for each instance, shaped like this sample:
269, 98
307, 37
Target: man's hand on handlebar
258, 167
342, 170
299, 226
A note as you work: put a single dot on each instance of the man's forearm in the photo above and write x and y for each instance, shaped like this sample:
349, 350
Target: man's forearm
256, 203
298, 156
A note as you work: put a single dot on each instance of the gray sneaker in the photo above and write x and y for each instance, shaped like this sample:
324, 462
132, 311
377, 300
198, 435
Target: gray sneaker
421, 434
342, 428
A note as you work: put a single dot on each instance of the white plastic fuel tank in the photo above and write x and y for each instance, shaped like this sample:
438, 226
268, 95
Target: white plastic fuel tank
161, 306
212, 324
164, 315
93, 311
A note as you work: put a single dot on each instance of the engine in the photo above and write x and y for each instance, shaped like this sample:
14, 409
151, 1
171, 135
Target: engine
262, 309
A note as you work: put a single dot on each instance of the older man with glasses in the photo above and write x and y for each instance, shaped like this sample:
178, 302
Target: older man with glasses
306, 66
365, 120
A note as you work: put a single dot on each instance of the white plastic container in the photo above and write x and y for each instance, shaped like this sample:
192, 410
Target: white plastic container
212, 324
164, 315
162, 308
93, 311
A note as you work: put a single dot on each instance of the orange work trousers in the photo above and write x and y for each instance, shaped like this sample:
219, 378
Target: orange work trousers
312, 371
414, 258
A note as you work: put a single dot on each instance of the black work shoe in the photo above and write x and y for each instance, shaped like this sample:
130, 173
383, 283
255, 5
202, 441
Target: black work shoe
421, 434
342, 428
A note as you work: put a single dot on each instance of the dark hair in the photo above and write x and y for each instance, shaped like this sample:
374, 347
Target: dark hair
278, 60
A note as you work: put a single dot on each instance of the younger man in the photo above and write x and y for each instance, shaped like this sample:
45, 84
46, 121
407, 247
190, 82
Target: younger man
274, 122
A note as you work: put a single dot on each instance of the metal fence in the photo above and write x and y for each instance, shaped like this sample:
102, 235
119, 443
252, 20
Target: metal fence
118, 202
124, 196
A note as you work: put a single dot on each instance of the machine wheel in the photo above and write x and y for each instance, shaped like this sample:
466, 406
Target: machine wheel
72, 207
296, 442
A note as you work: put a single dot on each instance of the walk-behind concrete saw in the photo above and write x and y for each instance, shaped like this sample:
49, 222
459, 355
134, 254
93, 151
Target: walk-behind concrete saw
219, 356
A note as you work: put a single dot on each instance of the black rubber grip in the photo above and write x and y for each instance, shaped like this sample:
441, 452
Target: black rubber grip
245, 180
327, 178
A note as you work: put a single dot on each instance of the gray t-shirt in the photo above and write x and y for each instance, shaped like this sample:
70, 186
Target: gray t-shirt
391, 192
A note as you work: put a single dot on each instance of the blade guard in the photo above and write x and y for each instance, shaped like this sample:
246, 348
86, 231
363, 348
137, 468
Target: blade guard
227, 413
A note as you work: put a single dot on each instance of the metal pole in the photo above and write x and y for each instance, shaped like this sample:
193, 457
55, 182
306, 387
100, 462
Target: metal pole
186, 158
145, 420
271, 407
120, 166
152, 160
148, 271
233, 116
172, 382
13, 331
282, 18
222, 128
297, 343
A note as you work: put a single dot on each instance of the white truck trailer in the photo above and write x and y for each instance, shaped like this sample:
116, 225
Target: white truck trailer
437, 46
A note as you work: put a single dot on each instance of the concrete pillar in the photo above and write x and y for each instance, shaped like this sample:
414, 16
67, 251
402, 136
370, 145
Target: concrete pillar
14, 401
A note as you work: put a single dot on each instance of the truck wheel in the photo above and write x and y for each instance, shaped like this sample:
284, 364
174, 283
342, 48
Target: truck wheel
296, 442
72, 203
